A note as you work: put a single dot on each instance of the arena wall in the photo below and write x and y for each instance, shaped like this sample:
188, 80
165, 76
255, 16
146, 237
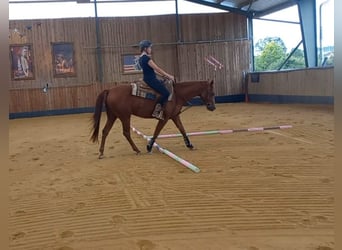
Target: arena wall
220, 35
311, 85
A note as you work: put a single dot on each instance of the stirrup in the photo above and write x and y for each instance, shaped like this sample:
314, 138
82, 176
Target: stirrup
159, 115
158, 112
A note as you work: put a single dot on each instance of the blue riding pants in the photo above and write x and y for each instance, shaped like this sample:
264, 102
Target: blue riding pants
159, 86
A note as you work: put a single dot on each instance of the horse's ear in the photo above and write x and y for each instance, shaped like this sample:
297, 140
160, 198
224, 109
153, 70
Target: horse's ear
212, 82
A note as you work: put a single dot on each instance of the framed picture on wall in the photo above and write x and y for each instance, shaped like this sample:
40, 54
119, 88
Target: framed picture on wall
131, 64
21, 56
63, 60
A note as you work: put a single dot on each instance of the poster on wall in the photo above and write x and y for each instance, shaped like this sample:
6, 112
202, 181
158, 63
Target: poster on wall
63, 60
21, 62
131, 64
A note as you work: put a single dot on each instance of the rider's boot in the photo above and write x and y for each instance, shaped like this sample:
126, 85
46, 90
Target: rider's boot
158, 112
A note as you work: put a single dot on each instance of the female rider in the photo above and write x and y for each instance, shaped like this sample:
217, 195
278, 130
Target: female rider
150, 69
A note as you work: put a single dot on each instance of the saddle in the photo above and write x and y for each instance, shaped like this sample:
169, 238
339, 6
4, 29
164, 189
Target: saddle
141, 89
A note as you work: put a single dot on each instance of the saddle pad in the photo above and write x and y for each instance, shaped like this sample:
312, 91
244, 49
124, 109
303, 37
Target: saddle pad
140, 88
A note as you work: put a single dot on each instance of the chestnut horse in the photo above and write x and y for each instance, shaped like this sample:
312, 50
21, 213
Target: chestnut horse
120, 103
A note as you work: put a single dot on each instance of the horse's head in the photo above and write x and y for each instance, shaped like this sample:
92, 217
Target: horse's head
208, 96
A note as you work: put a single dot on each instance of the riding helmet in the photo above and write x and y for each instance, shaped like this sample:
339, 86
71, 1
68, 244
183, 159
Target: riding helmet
145, 44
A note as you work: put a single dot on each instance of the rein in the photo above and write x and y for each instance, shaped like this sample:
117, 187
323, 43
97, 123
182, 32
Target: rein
186, 108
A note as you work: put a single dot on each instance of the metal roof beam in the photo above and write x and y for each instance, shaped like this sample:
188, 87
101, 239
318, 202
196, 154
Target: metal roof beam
245, 3
307, 15
220, 6
275, 8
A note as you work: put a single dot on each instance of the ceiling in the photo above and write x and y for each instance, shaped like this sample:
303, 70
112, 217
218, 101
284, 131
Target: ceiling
251, 8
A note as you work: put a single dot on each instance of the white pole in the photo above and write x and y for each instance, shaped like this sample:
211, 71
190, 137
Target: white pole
168, 153
226, 131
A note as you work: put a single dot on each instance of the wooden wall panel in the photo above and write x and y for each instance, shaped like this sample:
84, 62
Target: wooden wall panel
44, 32
118, 35
304, 82
73, 97
222, 35
233, 55
217, 27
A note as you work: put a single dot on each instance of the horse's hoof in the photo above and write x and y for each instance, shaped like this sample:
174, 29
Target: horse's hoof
138, 153
190, 146
149, 145
101, 156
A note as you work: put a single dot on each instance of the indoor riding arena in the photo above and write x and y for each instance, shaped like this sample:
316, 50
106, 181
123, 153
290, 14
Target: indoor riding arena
260, 175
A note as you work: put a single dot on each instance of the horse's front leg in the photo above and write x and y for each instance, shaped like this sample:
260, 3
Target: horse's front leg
159, 127
126, 130
177, 121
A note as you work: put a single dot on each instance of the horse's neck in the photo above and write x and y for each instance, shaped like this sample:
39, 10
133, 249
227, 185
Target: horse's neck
188, 90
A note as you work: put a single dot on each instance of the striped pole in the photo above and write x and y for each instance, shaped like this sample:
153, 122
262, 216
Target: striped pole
227, 131
217, 62
168, 153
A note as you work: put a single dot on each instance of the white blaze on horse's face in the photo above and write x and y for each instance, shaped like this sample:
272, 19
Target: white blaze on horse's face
208, 97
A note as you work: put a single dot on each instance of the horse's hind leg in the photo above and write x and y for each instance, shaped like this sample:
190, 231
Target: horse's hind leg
109, 124
177, 121
126, 130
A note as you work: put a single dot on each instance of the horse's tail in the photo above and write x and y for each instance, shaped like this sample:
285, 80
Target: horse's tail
97, 115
